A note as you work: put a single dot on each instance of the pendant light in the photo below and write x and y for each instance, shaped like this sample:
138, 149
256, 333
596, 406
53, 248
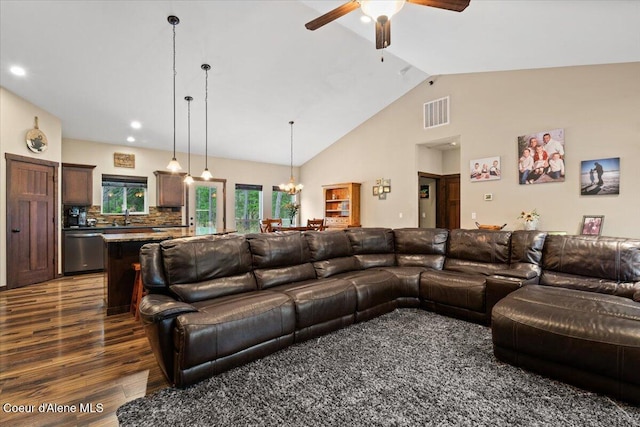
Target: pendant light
188, 179
206, 175
291, 187
173, 165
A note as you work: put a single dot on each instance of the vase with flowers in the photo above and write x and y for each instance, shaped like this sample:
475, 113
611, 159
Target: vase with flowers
530, 219
292, 210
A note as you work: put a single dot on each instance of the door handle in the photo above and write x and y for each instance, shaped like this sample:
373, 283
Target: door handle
15, 230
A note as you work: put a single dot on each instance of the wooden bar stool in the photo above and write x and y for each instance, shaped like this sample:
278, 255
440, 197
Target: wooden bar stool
138, 291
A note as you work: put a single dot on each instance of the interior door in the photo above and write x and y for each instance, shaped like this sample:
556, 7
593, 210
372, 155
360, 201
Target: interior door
31, 220
206, 206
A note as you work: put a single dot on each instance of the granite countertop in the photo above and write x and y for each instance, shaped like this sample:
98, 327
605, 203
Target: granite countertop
101, 227
156, 236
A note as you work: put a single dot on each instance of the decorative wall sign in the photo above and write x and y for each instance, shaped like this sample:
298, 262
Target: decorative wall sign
541, 157
599, 177
486, 169
123, 160
36, 139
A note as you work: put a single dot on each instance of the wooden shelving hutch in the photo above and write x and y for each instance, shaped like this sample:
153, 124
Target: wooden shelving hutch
342, 205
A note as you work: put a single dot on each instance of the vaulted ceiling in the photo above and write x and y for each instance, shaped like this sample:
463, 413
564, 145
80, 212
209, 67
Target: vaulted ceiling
98, 65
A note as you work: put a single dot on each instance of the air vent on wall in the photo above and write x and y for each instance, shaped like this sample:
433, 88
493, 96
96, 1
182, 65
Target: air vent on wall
436, 113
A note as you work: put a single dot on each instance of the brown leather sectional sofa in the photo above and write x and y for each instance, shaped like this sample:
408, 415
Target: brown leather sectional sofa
218, 302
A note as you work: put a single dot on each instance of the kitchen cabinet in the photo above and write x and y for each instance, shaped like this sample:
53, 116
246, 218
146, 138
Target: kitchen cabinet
170, 189
77, 184
342, 205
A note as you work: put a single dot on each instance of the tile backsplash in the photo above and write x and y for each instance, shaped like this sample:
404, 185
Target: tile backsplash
156, 216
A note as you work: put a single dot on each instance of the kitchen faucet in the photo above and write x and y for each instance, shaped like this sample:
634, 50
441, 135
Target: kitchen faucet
126, 217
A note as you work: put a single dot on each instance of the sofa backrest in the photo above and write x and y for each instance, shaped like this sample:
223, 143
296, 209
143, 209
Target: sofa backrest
478, 251
206, 267
331, 252
372, 247
526, 251
593, 263
421, 247
280, 258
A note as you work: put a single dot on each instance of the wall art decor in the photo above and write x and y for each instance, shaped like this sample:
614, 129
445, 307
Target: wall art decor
124, 160
592, 225
486, 169
424, 191
541, 157
600, 177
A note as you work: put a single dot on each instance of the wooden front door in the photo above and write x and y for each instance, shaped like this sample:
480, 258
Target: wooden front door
31, 220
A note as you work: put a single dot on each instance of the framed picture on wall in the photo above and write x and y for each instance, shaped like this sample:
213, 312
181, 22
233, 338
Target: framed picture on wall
485, 169
424, 191
541, 157
592, 225
599, 177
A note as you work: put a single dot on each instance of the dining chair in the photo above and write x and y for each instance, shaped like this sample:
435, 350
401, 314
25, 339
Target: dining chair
316, 223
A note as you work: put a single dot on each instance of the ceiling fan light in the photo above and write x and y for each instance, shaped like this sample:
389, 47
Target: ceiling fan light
174, 166
377, 8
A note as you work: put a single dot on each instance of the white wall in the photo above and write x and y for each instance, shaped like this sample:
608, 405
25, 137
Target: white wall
598, 106
16, 119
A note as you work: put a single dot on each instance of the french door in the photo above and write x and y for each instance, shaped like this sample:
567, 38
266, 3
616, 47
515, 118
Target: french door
207, 206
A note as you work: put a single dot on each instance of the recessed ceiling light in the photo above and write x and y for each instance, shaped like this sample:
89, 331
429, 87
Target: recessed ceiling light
136, 125
453, 144
365, 19
18, 71
131, 139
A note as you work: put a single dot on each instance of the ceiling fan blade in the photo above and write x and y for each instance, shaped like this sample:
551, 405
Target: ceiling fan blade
455, 5
383, 32
332, 15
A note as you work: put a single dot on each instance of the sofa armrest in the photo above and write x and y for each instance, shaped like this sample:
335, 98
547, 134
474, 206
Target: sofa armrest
501, 285
155, 308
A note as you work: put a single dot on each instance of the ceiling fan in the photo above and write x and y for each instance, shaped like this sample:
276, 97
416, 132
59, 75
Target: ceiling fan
381, 12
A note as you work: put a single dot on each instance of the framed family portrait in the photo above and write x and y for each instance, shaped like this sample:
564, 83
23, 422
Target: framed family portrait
486, 169
592, 225
541, 157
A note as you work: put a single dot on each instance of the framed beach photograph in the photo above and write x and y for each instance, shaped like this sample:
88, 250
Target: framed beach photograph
592, 225
600, 177
541, 157
486, 169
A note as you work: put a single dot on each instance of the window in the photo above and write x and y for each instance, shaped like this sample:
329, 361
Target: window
120, 193
279, 200
248, 208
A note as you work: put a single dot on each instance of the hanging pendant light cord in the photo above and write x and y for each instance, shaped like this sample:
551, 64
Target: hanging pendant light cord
189, 134
174, 91
291, 161
206, 115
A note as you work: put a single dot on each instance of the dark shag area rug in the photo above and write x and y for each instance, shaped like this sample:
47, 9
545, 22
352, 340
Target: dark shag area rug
406, 368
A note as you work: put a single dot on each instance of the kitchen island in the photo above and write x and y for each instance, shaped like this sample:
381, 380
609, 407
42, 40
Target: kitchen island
121, 250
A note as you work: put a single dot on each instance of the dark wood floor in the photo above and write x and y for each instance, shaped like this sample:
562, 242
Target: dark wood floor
57, 346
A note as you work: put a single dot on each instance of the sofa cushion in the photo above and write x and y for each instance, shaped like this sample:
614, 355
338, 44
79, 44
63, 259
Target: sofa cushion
328, 244
421, 247
589, 284
215, 288
453, 288
270, 277
610, 258
278, 249
484, 246
373, 247
220, 326
333, 266
197, 259
320, 301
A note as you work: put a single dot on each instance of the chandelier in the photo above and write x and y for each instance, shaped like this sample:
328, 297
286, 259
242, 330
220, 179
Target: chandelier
291, 187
